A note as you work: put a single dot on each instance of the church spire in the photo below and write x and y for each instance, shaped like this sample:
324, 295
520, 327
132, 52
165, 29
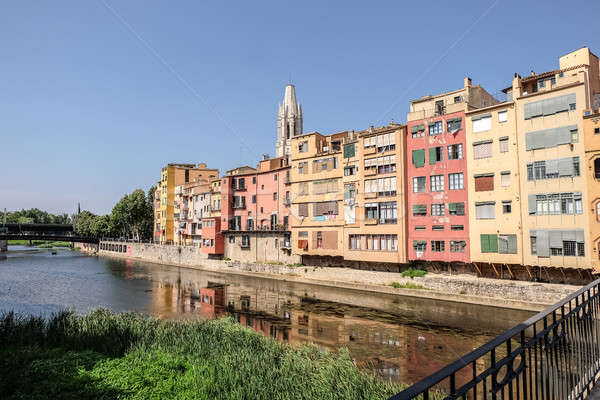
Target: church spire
289, 121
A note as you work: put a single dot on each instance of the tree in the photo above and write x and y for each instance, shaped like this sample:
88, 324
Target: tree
82, 223
100, 226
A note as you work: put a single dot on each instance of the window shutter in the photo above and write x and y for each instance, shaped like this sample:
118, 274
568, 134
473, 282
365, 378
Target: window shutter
418, 157
532, 202
565, 167
349, 150
551, 167
452, 207
485, 248
542, 244
503, 145
432, 157
493, 243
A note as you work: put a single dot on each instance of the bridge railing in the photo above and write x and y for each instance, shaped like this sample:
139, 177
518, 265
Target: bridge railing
553, 355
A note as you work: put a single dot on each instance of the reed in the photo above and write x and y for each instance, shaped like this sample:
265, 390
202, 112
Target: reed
130, 356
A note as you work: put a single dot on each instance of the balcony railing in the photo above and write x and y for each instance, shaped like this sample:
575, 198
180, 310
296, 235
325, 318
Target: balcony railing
552, 355
239, 206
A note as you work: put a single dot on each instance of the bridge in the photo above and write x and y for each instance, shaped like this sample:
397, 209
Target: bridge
552, 355
50, 232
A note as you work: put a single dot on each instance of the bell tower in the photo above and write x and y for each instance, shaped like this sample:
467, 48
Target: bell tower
289, 121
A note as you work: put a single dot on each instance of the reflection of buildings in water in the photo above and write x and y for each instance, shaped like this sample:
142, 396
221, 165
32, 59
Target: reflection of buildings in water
375, 340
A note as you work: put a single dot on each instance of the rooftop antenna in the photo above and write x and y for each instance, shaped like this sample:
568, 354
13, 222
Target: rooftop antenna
290, 80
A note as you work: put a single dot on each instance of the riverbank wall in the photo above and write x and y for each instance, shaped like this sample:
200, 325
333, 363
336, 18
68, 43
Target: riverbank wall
533, 296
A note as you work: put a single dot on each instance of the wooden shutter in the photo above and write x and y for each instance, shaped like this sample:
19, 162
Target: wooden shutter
432, 155
303, 210
484, 183
418, 158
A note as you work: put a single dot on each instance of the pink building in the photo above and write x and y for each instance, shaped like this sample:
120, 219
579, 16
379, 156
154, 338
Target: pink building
255, 212
212, 238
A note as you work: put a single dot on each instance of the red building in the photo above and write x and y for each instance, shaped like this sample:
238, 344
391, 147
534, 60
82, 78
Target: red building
436, 168
212, 237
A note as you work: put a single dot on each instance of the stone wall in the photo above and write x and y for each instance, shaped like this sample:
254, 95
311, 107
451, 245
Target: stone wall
263, 247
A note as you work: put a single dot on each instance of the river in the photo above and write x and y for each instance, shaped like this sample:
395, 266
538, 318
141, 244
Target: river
398, 337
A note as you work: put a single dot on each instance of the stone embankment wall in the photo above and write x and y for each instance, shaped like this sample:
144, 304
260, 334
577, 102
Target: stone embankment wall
461, 288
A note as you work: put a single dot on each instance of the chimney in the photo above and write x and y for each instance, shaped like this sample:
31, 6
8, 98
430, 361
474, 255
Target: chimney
532, 73
467, 82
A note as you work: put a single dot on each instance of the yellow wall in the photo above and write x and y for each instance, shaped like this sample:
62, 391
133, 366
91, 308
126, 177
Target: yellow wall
502, 224
591, 123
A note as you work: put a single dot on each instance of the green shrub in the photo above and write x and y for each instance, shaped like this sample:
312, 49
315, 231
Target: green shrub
414, 273
407, 285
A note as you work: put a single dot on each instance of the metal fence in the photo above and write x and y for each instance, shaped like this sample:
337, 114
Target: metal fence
553, 355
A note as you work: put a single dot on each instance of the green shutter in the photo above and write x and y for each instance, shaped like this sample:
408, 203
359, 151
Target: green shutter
417, 128
349, 150
418, 157
432, 155
484, 244
452, 207
493, 243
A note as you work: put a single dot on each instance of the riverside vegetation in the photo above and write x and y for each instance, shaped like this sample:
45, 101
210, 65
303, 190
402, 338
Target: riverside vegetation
130, 356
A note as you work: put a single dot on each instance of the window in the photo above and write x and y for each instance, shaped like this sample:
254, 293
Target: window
419, 184
417, 131
597, 168
436, 128
456, 181
420, 227
502, 116
419, 210
388, 212
373, 242
457, 246
457, 227
274, 195
569, 247
456, 208
303, 234
303, 147
371, 211
381, 186
455, 152
253, 199
574, 135
436, 154
533, 241
303, 167
254, 180
485, 210
505, 178
503, 145
275, 177
349, 171
418, 158
436, 183
454, 124
596, 131
555, 204
482, 149
245, 241
420, 245
438, 246
572, 106
507, 244
231, 239
482, 123
484, 182
385, 142
457, 99
438, 209
550, 106
325, 164
437, 228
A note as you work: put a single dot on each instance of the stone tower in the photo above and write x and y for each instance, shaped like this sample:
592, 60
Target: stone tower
289, 121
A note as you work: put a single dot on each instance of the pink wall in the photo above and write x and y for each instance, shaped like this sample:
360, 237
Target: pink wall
263, 189
444, 168
213, 233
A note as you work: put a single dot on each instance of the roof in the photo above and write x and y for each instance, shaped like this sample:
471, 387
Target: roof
551, 73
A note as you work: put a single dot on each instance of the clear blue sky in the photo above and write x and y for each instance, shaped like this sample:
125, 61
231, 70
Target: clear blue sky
88, 112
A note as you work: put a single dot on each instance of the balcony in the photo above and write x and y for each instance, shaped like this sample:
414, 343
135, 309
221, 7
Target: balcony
369, 150
239, 206
239, 188
370, 172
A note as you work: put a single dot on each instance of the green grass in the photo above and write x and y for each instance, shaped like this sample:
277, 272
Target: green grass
407, 285
40, 244
128, 356
295, 265
414, 273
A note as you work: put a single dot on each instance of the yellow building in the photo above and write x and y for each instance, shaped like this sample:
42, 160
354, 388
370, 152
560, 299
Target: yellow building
591, 133
174, 175
374, 197
348, 197
316, 173
555, 207
493, 181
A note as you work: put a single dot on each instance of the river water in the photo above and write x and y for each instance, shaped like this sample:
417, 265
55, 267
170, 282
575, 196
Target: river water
398, 337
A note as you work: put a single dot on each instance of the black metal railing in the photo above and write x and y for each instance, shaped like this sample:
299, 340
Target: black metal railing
553, 355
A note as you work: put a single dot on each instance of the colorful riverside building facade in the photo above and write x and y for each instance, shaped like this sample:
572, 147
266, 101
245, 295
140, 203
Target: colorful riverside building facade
212, 242
436, 170
348, 198
532, 202
174, 175
256, 212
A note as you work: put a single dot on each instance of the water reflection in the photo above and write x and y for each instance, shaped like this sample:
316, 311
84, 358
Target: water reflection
401, 338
